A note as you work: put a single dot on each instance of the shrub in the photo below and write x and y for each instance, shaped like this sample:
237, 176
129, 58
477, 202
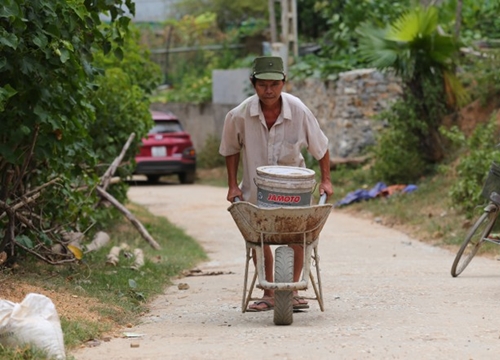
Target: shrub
397, 154
209, 157
472, 169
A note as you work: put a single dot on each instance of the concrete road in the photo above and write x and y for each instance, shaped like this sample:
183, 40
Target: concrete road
387, 296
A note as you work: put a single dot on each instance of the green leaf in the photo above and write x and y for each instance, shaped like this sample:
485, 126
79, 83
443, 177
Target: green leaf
25, 130
68, 45
7, 91
27, 66
64, 55
25, 241
7, 39
40, 40
106, 47
43, 115
132, 283
124, 21
416, 23
45, 239
10, 10
119, 53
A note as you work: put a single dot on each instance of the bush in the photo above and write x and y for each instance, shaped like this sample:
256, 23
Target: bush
209, 157
397, 158
397, 154
483, 75
472, 169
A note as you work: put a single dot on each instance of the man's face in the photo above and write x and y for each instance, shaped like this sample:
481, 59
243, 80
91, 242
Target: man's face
268, 91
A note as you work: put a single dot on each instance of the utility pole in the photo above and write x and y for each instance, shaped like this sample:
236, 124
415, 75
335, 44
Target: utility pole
289, 34
289, 26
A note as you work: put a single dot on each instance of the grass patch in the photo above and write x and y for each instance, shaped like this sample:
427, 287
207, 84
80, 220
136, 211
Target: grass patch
22, 353
427, 209
92, 297
75, 331
427, 214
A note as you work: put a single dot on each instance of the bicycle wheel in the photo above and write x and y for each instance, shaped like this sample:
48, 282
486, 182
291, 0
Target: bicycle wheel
283, 273
473, 241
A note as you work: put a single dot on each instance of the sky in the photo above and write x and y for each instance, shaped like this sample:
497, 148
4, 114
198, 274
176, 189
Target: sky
152, 10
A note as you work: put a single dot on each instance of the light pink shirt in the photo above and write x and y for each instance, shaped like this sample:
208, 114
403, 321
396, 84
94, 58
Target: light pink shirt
245, 131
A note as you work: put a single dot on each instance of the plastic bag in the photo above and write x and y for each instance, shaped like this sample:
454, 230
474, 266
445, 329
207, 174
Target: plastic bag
33, 321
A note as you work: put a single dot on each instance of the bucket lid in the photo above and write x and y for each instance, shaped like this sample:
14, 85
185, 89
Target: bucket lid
286, 172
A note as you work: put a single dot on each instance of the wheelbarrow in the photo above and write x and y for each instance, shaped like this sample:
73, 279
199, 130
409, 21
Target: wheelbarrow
281, 226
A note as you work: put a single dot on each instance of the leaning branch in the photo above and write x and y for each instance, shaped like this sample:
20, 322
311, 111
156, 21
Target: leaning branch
106, 178
142, 230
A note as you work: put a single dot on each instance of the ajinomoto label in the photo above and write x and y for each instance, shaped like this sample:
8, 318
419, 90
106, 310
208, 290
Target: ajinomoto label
267, 198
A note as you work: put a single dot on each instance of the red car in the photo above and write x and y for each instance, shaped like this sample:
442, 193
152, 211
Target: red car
167, 150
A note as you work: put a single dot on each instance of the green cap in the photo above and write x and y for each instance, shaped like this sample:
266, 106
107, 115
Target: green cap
268, 68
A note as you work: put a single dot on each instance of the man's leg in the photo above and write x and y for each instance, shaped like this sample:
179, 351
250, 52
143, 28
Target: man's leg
269, 263
298, 264
298, 261
269, 273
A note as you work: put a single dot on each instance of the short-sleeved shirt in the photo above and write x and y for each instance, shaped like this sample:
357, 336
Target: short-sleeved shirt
245, 131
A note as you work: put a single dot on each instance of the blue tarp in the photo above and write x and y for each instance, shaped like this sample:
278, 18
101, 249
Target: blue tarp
365, 194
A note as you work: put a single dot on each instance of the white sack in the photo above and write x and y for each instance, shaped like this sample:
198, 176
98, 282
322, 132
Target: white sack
114, 256
33, 321
100, 240
139, 259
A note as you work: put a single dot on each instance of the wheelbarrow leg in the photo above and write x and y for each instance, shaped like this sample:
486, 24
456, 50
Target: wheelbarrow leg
318, 290
246, 298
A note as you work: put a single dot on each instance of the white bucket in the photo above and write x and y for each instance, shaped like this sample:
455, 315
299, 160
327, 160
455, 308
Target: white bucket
284, 186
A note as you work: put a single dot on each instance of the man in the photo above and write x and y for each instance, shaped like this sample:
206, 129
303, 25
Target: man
271, 128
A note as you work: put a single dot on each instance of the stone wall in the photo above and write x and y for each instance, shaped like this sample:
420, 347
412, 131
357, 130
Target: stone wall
345, 109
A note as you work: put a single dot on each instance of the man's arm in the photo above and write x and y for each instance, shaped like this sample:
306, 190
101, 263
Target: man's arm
326, 183
232, 162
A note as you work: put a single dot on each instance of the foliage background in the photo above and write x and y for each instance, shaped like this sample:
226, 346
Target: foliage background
66, 113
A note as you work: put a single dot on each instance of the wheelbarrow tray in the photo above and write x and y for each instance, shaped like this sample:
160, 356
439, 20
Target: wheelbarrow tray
279, 225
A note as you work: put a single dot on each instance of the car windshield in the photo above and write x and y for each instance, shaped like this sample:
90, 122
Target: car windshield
166, 127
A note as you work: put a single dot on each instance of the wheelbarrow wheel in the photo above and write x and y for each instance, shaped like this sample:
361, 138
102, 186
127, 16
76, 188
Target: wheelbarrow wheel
283, 273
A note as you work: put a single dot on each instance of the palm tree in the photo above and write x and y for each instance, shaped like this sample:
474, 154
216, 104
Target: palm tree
416, 50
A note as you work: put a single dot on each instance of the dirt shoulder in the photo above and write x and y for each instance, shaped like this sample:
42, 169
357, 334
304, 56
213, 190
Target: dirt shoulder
386, 296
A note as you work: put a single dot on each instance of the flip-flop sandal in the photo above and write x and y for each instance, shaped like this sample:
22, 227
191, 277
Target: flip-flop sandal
268, 307
298, 305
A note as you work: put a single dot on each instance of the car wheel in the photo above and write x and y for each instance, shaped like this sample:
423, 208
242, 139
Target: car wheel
187, 177
153, 178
